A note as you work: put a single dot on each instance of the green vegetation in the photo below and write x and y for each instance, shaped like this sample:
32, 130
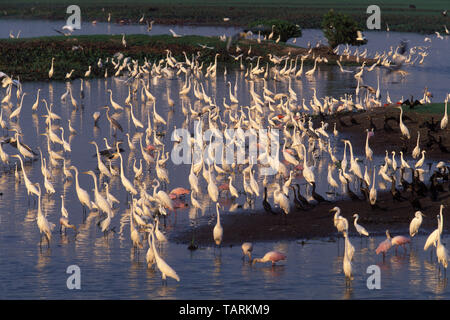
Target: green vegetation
278, 28
339, 29
432, 108
426, 17
30, 58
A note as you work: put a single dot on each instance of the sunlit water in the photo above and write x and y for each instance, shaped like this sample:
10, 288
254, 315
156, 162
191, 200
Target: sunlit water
311, 271
109, 269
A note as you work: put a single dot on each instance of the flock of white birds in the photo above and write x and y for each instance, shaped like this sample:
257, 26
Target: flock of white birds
304, 145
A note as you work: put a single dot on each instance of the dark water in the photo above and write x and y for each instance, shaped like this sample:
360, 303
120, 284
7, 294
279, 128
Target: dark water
108, 267
311, 271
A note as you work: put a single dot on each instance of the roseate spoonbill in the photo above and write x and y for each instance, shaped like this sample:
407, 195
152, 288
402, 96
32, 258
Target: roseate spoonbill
247, 248
178, 192
272, 256
400, 241
415, 223
384, 246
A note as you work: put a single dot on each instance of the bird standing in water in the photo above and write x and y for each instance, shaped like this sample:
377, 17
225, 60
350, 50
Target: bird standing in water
272, 256
247, 248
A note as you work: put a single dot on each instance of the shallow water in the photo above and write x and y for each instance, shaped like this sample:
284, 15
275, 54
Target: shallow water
108, 268
311, 271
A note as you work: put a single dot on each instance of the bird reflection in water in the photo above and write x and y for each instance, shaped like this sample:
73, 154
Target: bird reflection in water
399, 261
348, 293
218, 263
271, 272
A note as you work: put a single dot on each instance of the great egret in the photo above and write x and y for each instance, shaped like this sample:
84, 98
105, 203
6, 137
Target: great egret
163, 267
415, 223
45, 227
444, 120
125, 182
347, 261
340, 222
233, 191
100, 201
403, 128
114, 104
64, 219
101, 166
31, 189
360, 229
441, 251
218, 230
82, 194
432, 238
51, 71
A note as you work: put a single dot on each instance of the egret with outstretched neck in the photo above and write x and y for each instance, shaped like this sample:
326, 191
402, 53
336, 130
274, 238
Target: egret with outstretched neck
403, 128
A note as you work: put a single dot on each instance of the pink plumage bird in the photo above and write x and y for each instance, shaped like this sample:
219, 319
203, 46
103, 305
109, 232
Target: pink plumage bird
272, 256
178, 192
400, 241
384, 246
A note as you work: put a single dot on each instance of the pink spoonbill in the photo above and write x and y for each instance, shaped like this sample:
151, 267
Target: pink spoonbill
400, 241
384, 246
272, 256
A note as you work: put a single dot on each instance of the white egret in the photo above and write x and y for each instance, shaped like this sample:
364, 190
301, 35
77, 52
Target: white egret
45, 227
359, 228
218, 230
415, 223
163, 267
82, 194
403, 128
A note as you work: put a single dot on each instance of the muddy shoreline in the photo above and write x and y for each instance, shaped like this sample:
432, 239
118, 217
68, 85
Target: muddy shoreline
317, 222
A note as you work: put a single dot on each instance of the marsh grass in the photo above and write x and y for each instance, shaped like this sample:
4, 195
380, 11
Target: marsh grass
425, 18
30, 58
